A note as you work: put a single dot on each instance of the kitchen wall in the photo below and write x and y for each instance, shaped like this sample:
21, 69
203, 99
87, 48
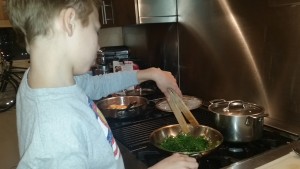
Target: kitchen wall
154, 44
111, 37
243, 50
231, 49
223, 42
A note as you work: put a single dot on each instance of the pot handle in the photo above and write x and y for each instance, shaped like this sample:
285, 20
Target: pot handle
216, 101
259, 116
156, 100
210, 102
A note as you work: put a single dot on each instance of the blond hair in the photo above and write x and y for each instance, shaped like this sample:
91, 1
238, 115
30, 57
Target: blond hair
31, 18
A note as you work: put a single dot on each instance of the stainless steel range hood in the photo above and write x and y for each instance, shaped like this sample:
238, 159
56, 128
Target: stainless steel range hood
156, 11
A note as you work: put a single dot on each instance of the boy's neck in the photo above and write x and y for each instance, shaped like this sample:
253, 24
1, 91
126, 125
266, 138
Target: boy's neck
48, 71
43, 78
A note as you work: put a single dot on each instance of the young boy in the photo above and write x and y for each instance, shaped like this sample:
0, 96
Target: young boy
58, 124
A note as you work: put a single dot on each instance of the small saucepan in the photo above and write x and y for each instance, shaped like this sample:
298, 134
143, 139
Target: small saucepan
117, 107
214, 137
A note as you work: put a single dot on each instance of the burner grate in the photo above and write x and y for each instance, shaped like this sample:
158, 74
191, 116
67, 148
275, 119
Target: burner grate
137, 135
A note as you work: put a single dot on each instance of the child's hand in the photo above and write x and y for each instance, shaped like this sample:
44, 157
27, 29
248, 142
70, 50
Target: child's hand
176, 161
163, 79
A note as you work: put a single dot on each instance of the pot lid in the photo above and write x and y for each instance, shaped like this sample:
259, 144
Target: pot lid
235, 107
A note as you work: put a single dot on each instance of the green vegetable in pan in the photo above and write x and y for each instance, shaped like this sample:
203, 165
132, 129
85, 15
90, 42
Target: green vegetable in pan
185, 143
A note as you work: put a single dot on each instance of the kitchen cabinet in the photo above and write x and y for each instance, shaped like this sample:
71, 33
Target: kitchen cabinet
114, 13
265, 160
4, 22
129, 12
156, 11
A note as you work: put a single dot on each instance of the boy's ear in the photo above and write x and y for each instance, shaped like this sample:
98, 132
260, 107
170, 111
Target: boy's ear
69, 20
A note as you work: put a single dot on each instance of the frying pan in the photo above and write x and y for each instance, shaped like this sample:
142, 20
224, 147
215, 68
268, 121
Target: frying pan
213, 136
137, 109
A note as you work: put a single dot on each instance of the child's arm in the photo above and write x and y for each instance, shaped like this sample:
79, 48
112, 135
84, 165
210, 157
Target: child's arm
163, 79
100, 86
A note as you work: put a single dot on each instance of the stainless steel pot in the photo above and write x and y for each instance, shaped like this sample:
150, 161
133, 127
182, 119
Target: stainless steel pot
214, 137
137, 109
238, 121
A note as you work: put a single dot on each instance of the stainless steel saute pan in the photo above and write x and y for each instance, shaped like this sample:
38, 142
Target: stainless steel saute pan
116, 107
213, 136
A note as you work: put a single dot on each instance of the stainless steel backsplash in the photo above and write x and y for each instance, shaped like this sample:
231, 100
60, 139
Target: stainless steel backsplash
231, 49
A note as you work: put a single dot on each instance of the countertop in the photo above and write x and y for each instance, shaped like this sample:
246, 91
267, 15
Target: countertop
264, 158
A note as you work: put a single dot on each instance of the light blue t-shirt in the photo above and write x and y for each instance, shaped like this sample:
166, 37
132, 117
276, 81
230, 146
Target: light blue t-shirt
62, 128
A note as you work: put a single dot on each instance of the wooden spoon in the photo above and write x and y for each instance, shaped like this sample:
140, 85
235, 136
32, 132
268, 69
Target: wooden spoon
178, 115
177, 105
185, 110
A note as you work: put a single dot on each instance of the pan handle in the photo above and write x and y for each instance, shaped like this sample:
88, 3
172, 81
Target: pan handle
130, 105
156, 100
196, 155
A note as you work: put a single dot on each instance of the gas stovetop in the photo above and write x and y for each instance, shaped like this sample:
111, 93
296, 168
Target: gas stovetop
134, 135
